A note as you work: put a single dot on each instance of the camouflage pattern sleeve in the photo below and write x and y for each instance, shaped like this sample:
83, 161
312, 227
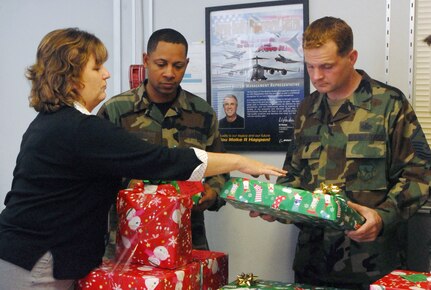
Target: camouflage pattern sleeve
290, 179
103, 113
114, 108
409, 166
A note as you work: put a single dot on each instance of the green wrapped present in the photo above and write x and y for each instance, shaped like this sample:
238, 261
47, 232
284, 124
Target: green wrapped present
249, 281
323, 207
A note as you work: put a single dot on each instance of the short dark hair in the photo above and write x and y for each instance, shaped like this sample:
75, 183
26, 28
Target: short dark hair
167, 35
427, 40
329, 28
60, 60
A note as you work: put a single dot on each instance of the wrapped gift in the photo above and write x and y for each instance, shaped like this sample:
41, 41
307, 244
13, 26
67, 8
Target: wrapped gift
214, 268
154, 226
403, 279
323, 207
111, 275
192, 188
249, 281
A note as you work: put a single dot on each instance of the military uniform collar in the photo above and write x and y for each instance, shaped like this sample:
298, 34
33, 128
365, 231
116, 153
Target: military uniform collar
361, 97
363, 94
142, 102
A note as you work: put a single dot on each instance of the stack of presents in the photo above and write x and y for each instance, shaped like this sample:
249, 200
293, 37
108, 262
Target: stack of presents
154, 247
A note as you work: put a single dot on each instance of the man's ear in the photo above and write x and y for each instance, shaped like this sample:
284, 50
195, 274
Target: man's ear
353, 56
145, 59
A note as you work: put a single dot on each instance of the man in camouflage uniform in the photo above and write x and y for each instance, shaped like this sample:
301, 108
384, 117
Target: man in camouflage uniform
363, 136
161, 112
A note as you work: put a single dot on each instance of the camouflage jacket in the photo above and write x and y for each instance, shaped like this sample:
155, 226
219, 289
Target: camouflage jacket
375, 150
189, 122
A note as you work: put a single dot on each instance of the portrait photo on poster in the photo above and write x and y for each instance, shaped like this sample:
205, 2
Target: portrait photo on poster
231, 110
255, 71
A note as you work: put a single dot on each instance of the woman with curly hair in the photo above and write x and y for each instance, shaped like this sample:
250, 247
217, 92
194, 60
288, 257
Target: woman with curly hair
70, 166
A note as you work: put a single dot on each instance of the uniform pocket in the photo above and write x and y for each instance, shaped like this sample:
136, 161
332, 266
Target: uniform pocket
366, 164
192, 138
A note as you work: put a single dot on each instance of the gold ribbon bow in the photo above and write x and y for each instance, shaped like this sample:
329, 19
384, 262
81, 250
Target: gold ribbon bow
328, 189
245, 279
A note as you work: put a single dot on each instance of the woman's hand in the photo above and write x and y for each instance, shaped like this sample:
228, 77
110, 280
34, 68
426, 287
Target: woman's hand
219, 163
256, 168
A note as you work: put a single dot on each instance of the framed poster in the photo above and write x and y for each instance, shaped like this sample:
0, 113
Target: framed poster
255, 71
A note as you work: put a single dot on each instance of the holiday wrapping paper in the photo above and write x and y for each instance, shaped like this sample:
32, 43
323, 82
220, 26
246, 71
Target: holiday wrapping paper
268, 285
192, 188
154, 226
322, 207
403, 279
214, 268
125, 276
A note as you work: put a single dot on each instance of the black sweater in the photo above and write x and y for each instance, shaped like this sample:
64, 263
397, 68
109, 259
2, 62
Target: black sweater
67, 175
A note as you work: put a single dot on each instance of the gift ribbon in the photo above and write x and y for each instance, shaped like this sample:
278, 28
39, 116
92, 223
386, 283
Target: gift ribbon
246, 279
328, 189
186, 187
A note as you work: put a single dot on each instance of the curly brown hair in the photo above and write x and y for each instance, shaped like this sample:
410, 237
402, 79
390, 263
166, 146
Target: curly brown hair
329, 28
60, 60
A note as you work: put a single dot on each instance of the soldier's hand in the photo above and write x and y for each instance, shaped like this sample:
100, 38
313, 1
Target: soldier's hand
209, 196
369, 231
267, 217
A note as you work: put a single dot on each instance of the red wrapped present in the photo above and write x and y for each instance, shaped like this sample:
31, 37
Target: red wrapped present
120, 276
154, 226
403, 279
214, 268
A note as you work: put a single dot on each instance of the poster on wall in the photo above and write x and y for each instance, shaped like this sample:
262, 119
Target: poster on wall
255, 71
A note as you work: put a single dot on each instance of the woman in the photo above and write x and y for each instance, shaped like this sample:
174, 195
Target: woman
70, 167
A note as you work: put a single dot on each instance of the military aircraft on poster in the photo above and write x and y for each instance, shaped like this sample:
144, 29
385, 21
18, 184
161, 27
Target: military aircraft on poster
227, 42
258, 70
295, 44
228, 65
284, 59
234, 54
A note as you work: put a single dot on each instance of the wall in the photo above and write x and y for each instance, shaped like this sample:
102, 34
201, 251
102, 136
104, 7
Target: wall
265, 249
23, 23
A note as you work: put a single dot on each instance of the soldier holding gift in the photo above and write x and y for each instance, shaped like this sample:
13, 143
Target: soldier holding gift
363, 136
161, 112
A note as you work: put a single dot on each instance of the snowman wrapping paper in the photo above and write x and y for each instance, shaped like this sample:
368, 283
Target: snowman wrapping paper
125, 276
154, 226
214, 268
317, 208
403, 279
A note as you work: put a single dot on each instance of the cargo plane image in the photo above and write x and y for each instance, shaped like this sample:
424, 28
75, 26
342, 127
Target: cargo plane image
258, 70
